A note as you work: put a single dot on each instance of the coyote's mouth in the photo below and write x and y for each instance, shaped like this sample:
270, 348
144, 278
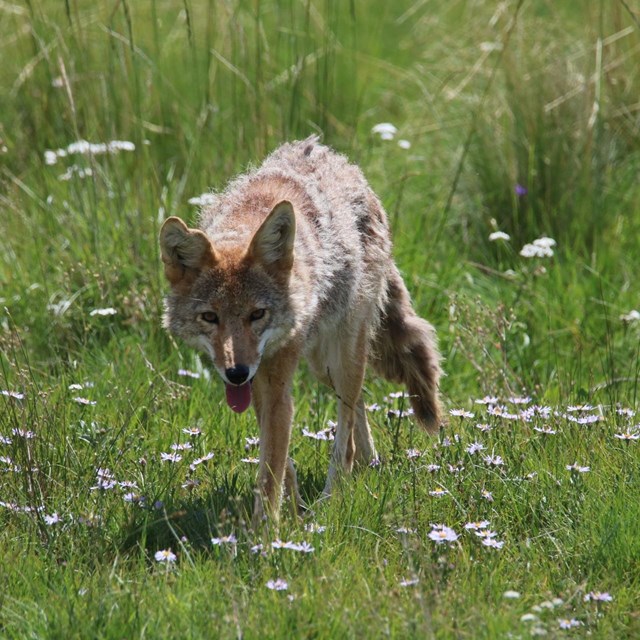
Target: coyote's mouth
238, 396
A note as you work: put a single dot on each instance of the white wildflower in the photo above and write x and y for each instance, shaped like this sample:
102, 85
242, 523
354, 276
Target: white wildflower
166, 555
278, 584
536, 251
632, 316
109, 311
385, 130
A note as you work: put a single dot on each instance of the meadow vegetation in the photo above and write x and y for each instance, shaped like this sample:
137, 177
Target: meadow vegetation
125, 481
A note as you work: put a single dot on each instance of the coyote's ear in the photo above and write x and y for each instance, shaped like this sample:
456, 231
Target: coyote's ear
184, 251
272, 244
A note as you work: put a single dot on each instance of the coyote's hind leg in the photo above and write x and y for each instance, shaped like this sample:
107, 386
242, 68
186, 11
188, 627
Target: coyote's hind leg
346, 372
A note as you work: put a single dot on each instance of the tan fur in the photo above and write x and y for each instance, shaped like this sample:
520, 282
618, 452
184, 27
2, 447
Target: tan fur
294, 260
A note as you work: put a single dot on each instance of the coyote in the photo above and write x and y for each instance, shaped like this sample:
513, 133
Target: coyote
294, 260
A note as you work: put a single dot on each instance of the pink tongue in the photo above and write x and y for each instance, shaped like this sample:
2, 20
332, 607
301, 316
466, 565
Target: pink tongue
239, 398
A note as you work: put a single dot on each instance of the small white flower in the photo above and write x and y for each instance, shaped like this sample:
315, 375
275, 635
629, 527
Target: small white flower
302, 547
84, 401
442, 533
74, 170
323, 434
279, 544
312, 527
474, 447
493, 543
499, 235
536, 251
166, 555
279, 584
409, 583
54, 518
545, 242
577, 468
181, 446
218, 542
385, 130
88, 148
627, 435
598, 596
461, 413
199, 461
133, 498
400, 413
529, 617
476, 526
109, 311
104, 484
404, 144
438, 492
170, 457
188, 374
564, 623
12, 394
120, 145
23, 433
405, 530
546, 430
632, 316
511, 595
579, 408
487, 495
485, 533
589, 419
50, 157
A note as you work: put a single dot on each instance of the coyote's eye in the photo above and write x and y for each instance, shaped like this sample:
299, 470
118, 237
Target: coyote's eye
256, 314
210, 316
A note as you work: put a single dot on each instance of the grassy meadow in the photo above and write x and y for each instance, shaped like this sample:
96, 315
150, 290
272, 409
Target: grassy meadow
126, 482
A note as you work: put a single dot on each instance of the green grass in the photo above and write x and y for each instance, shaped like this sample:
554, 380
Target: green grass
538, 93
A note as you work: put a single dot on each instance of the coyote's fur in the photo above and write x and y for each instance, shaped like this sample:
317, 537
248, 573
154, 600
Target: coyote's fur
294, 260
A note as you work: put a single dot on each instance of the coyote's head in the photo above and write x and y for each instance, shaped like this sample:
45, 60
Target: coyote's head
232, 303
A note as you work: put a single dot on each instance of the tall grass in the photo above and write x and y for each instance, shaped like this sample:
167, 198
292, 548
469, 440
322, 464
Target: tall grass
485, 96
563, 130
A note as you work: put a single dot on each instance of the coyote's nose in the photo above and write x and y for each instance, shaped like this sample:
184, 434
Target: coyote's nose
237, 374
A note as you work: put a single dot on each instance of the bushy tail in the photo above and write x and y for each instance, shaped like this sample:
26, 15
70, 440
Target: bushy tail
405, 350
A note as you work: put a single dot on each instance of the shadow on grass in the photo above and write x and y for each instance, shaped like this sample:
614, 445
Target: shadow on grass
221, 512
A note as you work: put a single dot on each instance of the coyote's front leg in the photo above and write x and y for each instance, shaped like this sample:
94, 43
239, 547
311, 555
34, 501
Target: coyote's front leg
273, 405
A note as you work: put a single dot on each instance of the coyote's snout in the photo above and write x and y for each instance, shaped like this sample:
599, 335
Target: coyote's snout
294, 260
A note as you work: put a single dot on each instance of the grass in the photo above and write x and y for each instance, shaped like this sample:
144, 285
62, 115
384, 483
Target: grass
535, 93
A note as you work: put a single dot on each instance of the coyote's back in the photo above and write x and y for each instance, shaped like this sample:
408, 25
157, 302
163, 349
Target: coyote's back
294, 259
